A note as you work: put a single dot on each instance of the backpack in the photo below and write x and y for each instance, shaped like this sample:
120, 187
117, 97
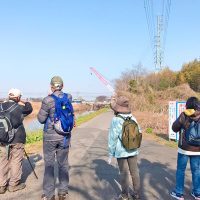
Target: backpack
7, 132
131, 137
193, 134
64, 115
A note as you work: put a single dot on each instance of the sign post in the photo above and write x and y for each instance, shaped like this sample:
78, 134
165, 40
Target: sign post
175, 109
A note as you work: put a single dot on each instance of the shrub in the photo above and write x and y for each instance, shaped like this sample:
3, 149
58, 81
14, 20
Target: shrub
149, 130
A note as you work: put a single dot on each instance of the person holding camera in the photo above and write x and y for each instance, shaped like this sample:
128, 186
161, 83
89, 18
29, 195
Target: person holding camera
12, 153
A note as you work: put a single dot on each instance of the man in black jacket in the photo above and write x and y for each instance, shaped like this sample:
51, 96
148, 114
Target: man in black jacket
187, 151
11, 156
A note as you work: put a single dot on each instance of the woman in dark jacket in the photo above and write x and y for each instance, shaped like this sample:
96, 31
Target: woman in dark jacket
186, 151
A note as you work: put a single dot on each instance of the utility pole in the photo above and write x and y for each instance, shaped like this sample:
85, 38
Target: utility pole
158, 57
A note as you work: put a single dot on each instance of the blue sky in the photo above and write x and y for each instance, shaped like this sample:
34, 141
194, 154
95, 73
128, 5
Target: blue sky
40, 39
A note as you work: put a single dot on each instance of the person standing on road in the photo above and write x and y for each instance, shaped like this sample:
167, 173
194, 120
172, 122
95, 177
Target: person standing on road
127, 159
54, 144
11, 156
186, 151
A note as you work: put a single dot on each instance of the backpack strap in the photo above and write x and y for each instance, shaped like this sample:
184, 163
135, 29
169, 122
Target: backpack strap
10, 109
55, 98
46, 124
127, 118
65, 142
65, 96
57, 107
124, 120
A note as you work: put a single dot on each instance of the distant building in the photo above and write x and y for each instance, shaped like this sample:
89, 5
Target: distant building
77, 101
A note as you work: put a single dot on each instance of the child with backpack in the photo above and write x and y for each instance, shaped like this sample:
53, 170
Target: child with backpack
188, 126
123, 143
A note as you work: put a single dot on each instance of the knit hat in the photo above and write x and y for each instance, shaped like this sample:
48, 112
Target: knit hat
14, 92
193, 103
57, 82
120, 105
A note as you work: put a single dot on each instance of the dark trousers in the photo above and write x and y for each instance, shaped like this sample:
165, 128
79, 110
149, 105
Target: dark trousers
52, 149
129, 166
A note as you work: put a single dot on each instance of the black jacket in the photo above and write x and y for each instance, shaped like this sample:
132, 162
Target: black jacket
17, 117
183, 122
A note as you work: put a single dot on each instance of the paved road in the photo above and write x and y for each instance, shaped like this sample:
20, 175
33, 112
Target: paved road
91, 178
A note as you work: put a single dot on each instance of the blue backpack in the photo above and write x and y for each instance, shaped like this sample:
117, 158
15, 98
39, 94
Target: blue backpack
193, 134
64, 115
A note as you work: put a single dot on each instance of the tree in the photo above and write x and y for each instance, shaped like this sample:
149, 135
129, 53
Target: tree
162, 80
190, 73
101, 98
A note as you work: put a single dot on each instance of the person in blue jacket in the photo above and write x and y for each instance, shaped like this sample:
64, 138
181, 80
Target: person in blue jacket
127, 160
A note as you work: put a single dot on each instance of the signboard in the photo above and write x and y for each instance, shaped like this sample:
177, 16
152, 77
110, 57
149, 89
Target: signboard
172, 118
175, 109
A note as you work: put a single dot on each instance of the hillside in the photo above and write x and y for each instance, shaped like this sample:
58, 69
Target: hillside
151, 107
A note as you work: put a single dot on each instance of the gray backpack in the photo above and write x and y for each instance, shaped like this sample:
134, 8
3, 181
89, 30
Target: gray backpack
7, 132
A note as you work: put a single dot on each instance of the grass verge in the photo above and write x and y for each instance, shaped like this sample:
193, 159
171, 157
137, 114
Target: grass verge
34, 138
160, 138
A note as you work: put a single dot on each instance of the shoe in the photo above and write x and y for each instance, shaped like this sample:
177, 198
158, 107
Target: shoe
176, 195
15, 188
135, 197
45, 198
123, 197
62, 196
2, 189
196, 197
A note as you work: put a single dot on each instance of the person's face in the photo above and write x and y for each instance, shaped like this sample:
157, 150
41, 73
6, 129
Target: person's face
52, 88
18, 99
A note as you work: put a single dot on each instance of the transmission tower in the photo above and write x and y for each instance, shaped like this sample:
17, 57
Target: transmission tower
158, 57
158, 30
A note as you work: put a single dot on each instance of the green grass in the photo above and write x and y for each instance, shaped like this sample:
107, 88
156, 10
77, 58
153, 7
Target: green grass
82, 119
37, 135
34, 136
161, 138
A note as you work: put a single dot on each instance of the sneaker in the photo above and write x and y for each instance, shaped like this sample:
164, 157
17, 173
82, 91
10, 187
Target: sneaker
45, 198
135, 197
62, 196
2, 189
123, 197
196, 197
176, 195
15, 188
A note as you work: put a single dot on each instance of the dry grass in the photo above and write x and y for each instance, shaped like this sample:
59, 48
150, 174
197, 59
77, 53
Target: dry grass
157, 122
155, 127
146, 99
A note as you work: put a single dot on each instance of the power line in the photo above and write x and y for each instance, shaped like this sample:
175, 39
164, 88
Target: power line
157, 33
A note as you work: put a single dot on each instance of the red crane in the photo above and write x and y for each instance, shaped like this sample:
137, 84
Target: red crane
103, 80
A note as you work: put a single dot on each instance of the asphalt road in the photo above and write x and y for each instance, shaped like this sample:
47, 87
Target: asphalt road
92, 178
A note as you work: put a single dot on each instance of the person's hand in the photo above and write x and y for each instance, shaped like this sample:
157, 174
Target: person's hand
22, 101
110, 159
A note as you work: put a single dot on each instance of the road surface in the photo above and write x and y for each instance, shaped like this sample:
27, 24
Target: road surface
92, 178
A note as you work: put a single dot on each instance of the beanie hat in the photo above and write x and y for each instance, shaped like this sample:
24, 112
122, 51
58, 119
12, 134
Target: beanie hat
193, 103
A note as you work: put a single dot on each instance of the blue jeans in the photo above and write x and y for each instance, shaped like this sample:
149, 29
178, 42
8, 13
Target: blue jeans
50, 150
180, 173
